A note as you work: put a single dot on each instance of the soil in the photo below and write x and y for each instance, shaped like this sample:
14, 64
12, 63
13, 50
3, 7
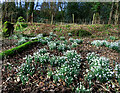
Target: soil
39, 83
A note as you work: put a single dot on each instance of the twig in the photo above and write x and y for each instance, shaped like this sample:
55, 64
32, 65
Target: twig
104, 88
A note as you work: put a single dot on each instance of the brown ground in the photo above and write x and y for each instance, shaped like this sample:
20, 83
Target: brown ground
39, 83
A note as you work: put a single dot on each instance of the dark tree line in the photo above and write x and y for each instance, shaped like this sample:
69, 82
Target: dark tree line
84, 12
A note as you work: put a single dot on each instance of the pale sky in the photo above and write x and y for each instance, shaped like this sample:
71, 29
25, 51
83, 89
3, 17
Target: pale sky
1, 1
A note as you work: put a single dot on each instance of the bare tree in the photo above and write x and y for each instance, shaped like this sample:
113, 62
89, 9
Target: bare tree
26, 7
31, 11
117, 13
111, 13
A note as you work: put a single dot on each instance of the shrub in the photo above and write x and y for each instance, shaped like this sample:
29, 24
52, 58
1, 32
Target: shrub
20, 25
58, 29
8, 29
81, 33
106, 26
68, 26
93, 36
112, 38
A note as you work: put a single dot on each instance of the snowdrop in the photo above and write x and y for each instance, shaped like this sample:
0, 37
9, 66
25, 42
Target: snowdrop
25, 69
69, 68
78, 41
52, 45
21, 41
117, 71
51, 33
99, 68
74, 44
62, 38
71, 39
113, 45
69, 34
61, 47
81, 88
39, 36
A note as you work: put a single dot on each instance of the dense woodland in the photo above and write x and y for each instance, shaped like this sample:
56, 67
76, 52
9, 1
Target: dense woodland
83, 12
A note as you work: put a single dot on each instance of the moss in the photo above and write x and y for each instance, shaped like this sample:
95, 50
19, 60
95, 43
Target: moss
81, 33
17, 49
93, 36
24, 25
106, 26
8, 29
0, 56
21, 26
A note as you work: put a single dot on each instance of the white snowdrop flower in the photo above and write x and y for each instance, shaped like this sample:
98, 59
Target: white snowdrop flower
113, 86
74, 75
90, 82
87, 70
90, 76
100, 76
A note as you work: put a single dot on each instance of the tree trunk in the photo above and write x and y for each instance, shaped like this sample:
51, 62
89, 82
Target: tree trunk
111, 14
32, 18
73, 18
52, 19
31, 10
0, 15
26, 7
20, 4
94, 20
117, 13
4, 12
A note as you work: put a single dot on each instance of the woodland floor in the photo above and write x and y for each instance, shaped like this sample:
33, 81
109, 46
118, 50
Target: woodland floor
39, 83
